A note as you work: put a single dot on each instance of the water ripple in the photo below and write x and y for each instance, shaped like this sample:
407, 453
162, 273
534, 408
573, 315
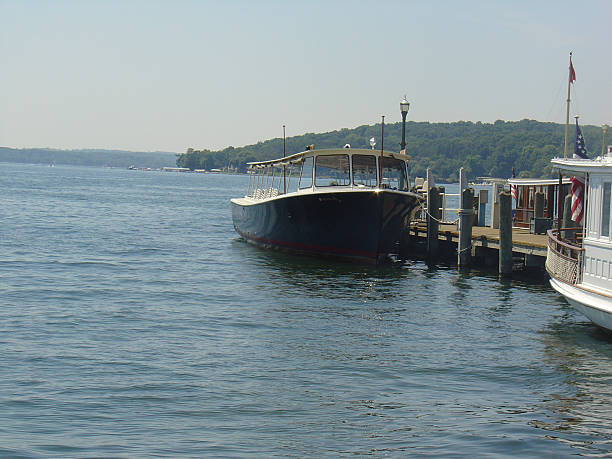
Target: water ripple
135, 323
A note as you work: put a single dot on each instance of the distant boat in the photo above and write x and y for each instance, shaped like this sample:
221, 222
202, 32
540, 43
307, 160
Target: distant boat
524, 191
344, 203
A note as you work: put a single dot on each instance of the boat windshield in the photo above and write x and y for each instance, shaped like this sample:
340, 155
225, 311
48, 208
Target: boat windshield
394, 174
364, 170
306, 174
332, 170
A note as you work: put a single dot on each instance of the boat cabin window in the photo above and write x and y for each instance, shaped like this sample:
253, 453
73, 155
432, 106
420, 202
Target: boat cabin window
332, 170
605, 218
306, 175
394, 174
364, 170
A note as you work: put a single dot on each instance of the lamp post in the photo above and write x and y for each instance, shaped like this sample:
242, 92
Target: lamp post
604, 129
404, 106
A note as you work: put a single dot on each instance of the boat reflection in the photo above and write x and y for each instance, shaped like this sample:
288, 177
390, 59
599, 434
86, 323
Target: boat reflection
288, 275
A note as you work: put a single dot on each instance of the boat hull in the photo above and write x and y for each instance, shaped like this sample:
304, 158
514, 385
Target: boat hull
356, 225
596, 307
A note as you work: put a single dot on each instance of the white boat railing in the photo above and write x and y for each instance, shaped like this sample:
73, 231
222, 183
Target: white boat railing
564, 258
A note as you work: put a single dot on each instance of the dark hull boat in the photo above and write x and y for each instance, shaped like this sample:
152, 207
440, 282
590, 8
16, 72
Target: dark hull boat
337, 208
360, 224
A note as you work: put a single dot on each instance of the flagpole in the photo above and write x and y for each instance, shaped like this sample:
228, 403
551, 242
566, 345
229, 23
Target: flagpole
570, 78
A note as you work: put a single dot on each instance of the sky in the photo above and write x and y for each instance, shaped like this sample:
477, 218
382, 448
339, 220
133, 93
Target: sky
149, 75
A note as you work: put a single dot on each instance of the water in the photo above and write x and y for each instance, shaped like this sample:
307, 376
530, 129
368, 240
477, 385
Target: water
134, 322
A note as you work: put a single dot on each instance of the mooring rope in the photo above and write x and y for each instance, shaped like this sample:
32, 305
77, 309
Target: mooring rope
460, 212
463, 250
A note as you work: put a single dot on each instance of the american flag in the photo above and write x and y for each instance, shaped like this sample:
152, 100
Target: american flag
513, 189
578, 182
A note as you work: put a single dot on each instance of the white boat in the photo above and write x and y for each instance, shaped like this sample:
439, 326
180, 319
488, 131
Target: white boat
579, 260
580, 266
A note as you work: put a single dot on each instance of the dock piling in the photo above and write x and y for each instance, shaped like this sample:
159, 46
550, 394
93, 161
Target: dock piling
429, 182
466, 218
483, 198
496, 188
433, 216
505, 233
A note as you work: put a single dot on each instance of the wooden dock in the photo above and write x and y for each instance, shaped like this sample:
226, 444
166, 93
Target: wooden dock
483, 236
509, 248
531, 248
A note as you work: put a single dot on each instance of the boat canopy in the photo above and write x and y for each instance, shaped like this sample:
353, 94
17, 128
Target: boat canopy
342, 168
297, 158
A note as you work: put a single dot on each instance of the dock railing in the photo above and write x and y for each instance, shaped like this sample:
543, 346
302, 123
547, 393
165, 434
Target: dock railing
564, 258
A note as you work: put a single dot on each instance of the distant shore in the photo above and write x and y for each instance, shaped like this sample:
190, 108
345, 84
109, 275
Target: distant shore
86, 157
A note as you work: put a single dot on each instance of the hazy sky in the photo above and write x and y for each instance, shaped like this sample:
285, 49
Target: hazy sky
169, 75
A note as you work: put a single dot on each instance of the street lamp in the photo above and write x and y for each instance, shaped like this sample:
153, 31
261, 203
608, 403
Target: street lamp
604, 128
404, 106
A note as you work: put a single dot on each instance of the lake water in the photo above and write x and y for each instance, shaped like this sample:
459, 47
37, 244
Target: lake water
134, 322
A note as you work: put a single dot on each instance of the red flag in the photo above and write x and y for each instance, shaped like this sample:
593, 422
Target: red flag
572, 72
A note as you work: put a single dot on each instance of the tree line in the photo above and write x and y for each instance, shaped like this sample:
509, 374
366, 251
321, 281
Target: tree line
88, 157
482, 149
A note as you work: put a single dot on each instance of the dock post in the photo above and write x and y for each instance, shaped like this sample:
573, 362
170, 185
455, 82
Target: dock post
538, 206
466, 217
567, 217
433, 213
483, 198
442, 202
462, 180
505, 233
496, 188
429, 182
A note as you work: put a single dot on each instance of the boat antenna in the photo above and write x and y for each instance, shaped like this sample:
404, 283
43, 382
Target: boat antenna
570, 80
382, 142
382, 134
284, 166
